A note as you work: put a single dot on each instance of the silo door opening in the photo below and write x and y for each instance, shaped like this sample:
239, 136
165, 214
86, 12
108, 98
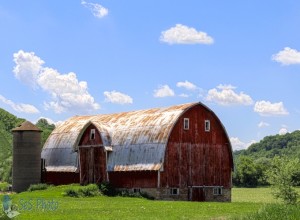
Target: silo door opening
198, 194
90, 165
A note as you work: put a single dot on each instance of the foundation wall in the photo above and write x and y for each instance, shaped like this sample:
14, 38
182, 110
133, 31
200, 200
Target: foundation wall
184, 194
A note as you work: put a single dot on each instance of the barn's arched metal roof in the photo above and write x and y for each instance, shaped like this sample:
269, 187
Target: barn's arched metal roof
138, 138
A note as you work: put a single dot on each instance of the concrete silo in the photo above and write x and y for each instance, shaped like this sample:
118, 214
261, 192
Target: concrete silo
26, 156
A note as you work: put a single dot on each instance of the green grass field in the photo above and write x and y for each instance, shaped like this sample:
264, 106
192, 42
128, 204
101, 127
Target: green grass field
51, 204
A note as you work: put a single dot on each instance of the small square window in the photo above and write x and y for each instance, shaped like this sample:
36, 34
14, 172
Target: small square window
217, 191
92, 134
186, 124
136, 190
207, 125
174, 191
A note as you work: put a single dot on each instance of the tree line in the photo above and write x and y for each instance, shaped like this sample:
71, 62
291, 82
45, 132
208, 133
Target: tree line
275, 162
252, 164
7, 123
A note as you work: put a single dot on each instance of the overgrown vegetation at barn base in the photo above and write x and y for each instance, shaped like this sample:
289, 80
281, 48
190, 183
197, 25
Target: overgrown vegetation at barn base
75, 190
40, 186
107, 189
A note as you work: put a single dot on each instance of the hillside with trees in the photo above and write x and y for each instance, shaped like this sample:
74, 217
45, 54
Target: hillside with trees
9, 121
251, 164
270, 146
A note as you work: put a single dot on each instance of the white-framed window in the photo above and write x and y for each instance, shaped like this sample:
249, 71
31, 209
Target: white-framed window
207, 125
92, 134
136, 190
186, 123
217, 191
174, 191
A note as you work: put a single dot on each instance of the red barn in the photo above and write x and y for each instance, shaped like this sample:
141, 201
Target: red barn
180, 152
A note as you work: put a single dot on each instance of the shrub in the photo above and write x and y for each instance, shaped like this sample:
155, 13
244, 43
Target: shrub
126, 193
146, 196
40, 186
71, 192
107, 189
89, 190
280, 176
82, 191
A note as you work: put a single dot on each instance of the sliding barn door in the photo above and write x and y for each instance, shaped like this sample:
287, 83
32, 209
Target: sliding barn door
92, 165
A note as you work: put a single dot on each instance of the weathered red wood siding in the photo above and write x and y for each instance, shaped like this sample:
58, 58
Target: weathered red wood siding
60, 178
92, 158
85, 138
195, 157
135, 179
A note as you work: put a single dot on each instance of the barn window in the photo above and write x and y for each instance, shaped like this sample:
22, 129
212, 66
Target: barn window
136, 190
217, 191
186, 124
92, 134
207, 125
174, 191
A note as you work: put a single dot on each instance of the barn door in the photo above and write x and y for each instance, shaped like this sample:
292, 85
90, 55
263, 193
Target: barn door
198, 194
90, 165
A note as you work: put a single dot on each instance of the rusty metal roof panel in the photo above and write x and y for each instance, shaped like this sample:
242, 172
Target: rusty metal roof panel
60, 157
142, 127
138, 138
136, 157
61, 169
65, 135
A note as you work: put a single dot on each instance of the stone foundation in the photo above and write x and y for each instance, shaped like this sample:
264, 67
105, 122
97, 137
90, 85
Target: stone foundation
184, 194
210, 197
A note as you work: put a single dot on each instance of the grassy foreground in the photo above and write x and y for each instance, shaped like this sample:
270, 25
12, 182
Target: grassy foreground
51, 204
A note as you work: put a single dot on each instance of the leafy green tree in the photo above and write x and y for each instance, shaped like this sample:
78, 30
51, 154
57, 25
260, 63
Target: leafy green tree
281, 176
44, 124
246, 172
46, 128
262, 164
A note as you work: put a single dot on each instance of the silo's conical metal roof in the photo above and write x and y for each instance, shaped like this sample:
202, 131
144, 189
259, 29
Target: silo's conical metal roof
27, 126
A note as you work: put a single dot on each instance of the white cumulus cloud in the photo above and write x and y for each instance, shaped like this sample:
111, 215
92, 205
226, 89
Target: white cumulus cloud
98, 10
263, 124
163, 91
28, 67
287, 56
283, 131
181, 34
187, 85
225, 95
21, 107
67, 93
117, 97
266, 108
237, 144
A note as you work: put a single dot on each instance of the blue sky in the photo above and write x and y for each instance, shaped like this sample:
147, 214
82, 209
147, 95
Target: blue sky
240, 58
